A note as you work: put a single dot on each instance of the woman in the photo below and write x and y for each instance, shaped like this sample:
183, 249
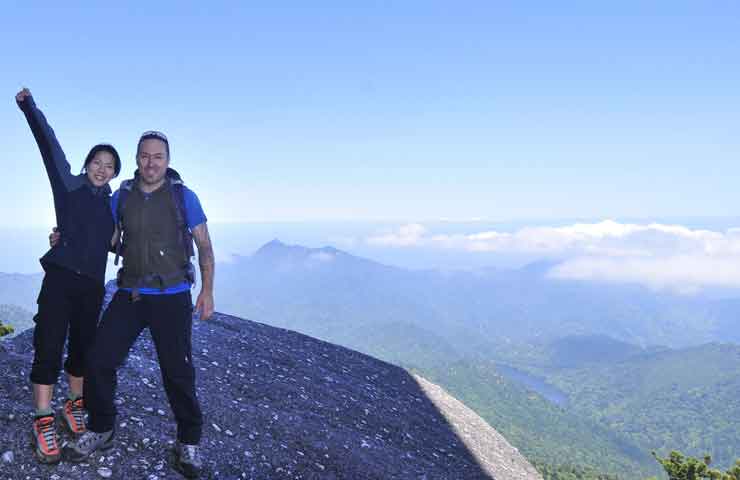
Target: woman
73, 286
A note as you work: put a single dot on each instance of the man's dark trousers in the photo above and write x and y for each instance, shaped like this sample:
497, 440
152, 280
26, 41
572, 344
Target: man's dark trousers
169, 318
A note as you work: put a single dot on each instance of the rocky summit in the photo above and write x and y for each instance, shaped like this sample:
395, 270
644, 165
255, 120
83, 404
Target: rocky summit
277, 405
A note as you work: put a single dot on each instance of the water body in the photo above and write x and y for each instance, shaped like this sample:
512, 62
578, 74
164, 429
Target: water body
536, 384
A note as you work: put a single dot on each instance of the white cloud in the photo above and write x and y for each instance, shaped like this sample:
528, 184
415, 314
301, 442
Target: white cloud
407, 236
657, 255
682, 273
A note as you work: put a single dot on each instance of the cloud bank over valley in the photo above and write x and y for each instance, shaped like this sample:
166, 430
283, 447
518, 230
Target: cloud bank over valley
660, 256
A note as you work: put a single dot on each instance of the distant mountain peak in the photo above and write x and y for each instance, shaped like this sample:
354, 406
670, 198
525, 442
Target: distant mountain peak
273, 244
277, 251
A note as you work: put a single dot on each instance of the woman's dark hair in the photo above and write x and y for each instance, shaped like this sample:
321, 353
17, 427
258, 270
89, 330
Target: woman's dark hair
104, 147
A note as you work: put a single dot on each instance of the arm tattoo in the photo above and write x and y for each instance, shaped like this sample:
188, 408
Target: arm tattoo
206, 258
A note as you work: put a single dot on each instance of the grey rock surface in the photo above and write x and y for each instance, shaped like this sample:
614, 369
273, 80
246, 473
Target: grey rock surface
277, 405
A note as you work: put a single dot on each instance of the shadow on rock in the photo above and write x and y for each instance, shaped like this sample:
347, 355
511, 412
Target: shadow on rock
277, 405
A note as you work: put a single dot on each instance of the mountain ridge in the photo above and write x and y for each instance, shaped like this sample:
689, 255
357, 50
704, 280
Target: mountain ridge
540, 308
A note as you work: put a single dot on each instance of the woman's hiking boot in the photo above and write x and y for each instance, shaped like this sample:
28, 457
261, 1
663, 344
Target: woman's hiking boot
73, 414
44, 439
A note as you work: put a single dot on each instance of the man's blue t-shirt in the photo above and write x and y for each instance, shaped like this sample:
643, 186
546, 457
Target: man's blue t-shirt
194, 216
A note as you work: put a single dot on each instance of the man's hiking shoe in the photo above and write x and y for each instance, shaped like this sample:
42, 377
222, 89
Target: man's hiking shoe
87, 444
44, 440
187, 460
73, 414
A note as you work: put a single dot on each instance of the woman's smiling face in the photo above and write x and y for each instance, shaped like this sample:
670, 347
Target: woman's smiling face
101, 169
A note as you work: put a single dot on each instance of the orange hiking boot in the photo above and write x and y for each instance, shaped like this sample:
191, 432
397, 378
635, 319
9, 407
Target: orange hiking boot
73, 414
44, 440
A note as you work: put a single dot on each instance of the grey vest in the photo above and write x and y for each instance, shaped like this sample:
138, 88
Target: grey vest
154, 255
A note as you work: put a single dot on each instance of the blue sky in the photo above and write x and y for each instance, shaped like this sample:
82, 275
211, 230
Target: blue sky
407, 111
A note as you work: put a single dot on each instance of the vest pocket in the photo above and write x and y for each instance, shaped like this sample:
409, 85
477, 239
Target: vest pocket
166, 262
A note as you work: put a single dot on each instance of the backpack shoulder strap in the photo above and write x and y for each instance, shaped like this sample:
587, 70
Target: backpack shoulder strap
178, 196
123, 193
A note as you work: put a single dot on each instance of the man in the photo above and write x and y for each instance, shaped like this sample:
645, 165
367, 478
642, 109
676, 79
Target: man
154, 291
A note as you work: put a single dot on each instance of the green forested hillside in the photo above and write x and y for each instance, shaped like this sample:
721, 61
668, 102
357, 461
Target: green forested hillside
571, 472
5, 330
544, 433
680, 399
16, 317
